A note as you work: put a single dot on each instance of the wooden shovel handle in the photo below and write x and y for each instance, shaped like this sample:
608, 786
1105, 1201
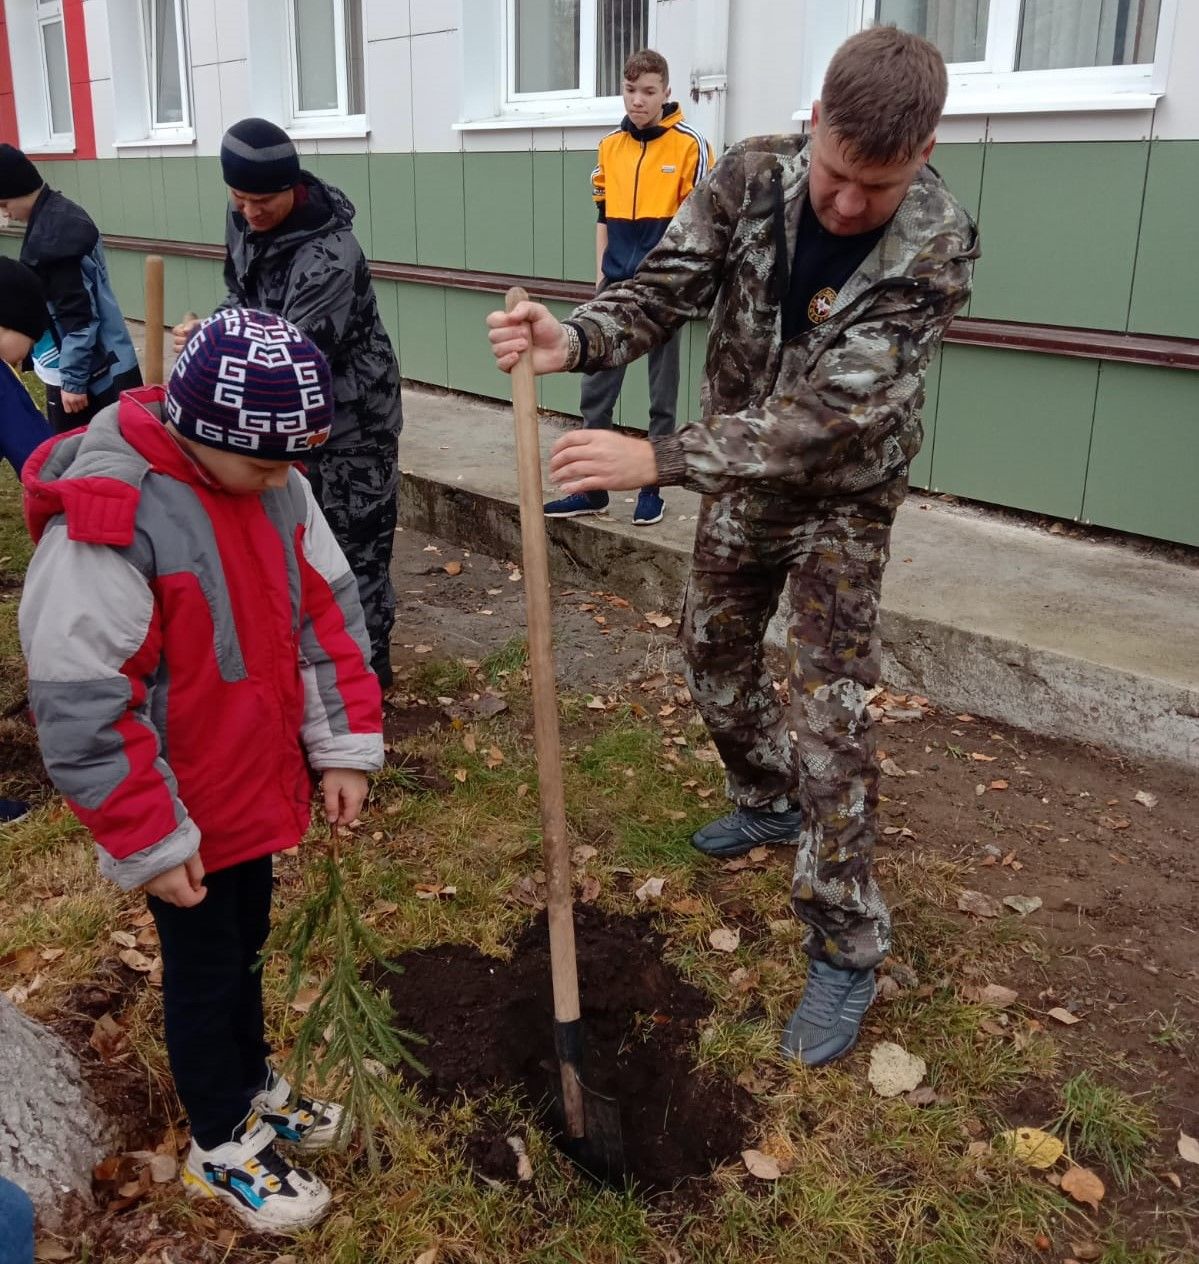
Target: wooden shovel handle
556, 860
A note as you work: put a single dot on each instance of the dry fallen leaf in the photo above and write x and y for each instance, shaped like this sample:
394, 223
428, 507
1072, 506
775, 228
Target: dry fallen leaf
469, 743
596, 704
459, 774
992, 994
999, 785
123, 939
980, 758
589, 890
650, 889
893, 1070
453, 568
688, 906
428, 1257
48, 1250
582, 854
524, 1166
658, 620
1188, 1147
1083, 1186
163, 1168
978, 904
422, 649
1145, 799
136, 960
1064, 1016
1086, 1251
304, 999
494, 758
922, 1096
761, 1165
891, 768
725, 940
1033, 1147
1023, 904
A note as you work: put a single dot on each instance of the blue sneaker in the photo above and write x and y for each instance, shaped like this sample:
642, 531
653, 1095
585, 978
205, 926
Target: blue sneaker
828, 1020
746, 828
577, 505
649, 508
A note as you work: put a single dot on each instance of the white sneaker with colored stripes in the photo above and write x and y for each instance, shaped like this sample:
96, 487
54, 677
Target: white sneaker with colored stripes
298, 1120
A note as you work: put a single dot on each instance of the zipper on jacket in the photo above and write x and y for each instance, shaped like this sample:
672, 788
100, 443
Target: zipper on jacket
637, 177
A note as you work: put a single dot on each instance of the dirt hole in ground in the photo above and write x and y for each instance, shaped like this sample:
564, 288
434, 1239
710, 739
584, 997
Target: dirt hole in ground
489, 1022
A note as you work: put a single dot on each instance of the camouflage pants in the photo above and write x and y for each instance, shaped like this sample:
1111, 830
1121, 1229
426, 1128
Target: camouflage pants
819, 755
357, 488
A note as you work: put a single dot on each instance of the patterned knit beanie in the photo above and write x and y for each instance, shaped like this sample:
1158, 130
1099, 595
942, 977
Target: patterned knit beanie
251, 382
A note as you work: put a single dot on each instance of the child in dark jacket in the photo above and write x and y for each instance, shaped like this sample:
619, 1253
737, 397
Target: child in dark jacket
195, 645
62, 245
23, 320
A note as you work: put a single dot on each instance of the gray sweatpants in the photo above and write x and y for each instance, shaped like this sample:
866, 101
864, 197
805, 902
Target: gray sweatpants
601, 390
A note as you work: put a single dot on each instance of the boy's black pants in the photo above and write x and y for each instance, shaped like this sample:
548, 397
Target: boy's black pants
212, 996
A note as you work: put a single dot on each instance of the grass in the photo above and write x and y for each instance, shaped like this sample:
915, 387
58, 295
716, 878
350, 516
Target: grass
1105, 1125
865, 1178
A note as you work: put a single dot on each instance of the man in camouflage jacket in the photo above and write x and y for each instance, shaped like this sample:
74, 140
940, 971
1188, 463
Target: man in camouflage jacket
291, 250
801, 454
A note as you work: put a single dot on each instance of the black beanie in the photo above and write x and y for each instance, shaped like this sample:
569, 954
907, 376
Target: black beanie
18, 175
22, 300
258, 157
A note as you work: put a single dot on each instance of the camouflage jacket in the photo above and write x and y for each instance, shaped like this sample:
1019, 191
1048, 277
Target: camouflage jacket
312, 271
832, 412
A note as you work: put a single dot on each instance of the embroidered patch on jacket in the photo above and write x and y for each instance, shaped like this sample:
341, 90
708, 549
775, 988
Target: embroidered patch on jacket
668, 171
821, 306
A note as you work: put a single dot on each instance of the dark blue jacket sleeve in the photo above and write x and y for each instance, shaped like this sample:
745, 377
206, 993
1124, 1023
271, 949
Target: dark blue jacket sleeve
22, 427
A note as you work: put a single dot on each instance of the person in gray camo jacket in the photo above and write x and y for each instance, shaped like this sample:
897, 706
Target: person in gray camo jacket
291, 250
830, 267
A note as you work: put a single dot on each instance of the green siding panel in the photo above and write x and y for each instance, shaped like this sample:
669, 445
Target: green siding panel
471, 364
393, 207
88, 176
499, 211
578, 215
112, 210
135, 176
1145, 453
440, 220
921, 469
63, 176
693, 374
176, 291
1059, 232
420, 333
182, 194
1167, 273
1013, 428
127, 273
351, 174
213, 200
205, 286
548, 239
961, 167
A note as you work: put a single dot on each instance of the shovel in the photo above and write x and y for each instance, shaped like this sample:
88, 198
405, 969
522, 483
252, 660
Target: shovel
590, 1120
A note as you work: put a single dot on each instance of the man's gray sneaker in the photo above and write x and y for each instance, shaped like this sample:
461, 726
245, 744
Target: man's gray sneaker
828, 1020
745, 829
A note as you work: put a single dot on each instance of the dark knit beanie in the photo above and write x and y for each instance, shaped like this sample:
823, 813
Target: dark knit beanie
22, 300
18, 175
259, 157
251, 382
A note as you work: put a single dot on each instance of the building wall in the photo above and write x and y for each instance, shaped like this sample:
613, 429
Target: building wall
1084, 222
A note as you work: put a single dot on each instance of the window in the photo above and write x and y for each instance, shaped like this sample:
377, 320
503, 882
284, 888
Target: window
163, 27
326, 58
1027, 35
571, 50
56, 82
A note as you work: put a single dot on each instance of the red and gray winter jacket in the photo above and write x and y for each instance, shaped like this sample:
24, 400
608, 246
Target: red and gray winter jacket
191, 652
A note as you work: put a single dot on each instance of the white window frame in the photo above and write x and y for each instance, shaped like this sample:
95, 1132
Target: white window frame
994, 86
568, 102
49, 11
304, 119
158, 130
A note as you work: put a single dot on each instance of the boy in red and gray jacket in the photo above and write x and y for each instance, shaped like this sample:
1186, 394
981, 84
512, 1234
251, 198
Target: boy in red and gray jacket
195, 645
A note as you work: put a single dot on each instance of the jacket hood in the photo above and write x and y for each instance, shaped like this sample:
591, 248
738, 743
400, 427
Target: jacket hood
672, 116
93, 476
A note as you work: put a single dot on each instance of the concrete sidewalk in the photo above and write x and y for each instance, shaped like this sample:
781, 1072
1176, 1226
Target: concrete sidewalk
1068, 638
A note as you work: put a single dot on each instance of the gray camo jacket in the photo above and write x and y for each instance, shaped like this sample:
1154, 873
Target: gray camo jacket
313, 272
832, 412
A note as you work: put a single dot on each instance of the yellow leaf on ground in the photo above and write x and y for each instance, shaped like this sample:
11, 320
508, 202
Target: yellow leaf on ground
1064, 1016
1188, 1147
453, 568
1033, 1147
1083, 1186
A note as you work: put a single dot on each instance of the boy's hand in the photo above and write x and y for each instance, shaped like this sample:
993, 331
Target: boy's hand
601, 461
182, 332
345, 792
509, 335
72, 403
182, 886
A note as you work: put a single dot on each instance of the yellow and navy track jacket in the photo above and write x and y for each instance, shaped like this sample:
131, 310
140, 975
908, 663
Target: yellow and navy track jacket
642, 178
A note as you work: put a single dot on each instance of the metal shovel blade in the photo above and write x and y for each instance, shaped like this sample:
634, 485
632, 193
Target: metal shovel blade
599, 1152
